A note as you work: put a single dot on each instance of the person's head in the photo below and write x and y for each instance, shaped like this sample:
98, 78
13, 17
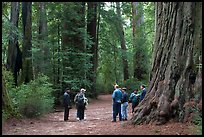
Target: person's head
82, 90
123, 89
142, 86
116, 86
136, 90
67, 90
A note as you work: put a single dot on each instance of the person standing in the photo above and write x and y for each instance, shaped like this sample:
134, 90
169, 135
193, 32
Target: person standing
67, 104
116, 98
134, 99
124, 104
143, 92
75, 100
80, 102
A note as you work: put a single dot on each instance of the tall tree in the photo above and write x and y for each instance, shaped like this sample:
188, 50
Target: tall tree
54, 15
138, 40
42, 37
171, 91
27, 73
14, 60
122, 41
73, 45
91, 30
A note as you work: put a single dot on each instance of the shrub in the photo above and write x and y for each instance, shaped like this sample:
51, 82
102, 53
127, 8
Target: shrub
8, 109
197, 120
34, 98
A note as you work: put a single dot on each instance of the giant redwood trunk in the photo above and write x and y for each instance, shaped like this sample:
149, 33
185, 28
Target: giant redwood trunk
175, 80
27, 73
14, 60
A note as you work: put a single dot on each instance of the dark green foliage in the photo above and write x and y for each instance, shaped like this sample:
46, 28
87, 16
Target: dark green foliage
197, 120
133, 84
69, 63
8, 86
35, 98
110, 53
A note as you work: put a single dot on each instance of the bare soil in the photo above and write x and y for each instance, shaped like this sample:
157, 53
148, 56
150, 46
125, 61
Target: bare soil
98, 122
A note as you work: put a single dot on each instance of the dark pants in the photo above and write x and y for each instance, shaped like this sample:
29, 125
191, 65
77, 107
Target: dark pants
66, 113
134, 104
77, 110
80, 112
116, 111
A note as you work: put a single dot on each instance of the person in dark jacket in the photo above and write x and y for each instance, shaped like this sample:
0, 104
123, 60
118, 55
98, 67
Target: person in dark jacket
67, 103
144, 91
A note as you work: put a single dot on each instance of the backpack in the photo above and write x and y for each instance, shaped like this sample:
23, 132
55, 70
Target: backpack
80, 100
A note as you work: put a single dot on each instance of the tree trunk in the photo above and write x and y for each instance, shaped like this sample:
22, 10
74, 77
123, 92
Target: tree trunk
14, 60
171, 92
66, 41
122, 40
73, 44
138, 41
91, 30
27, 73
44, 54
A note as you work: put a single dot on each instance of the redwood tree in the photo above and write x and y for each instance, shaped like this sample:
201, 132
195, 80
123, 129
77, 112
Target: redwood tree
138, 41
27, 73
14, 60
91, 30
73, 44
44, 63
122, 41
172, 89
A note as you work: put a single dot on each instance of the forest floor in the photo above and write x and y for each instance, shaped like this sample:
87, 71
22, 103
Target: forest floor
98, 122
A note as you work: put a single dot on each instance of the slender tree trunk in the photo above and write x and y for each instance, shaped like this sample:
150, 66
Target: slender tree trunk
171, 92
14, 60
58, 60
91, 29
122, 40
44, 62
27, 73
66, 41
138, 41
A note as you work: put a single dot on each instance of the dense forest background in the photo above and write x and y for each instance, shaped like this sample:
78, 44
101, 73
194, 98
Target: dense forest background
48, 46
77, 44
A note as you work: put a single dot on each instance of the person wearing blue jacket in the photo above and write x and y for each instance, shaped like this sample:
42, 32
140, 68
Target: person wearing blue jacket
117, 98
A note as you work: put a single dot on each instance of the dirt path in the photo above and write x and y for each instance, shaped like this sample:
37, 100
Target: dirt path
98, 122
